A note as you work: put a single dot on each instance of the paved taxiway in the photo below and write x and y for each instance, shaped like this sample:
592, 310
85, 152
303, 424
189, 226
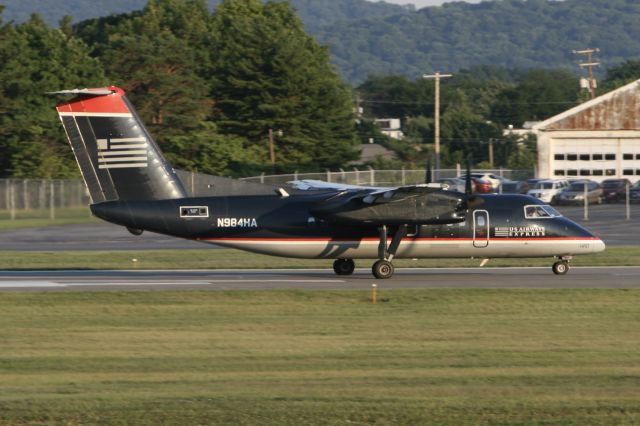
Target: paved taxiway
582, 277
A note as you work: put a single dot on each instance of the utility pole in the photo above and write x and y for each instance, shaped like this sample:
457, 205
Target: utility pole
591, 83
272, 148
437, 76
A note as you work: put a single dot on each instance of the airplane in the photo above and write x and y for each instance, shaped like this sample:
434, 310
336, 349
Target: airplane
131, 184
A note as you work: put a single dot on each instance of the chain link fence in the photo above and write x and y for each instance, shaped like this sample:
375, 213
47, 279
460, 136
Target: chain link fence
68, 198
42, 198
372, 177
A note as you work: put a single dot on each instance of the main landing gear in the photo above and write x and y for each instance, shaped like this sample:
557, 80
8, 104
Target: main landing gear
383, 268
344, 266
561, 267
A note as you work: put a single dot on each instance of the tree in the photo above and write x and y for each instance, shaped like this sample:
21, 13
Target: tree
465, 131
620, 75
269, 74
35, 59
539, 95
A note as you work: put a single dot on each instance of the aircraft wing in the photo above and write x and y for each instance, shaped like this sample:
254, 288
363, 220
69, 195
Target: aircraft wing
415, 204
314, 185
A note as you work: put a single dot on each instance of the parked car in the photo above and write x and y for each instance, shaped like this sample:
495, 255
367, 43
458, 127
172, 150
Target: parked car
455, 184
634, 193
514, 187
575, 193
548, 190
615, 190
482, 186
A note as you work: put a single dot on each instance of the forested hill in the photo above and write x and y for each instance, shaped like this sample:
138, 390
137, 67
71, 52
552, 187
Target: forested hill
314, 13
508, 33
369, 38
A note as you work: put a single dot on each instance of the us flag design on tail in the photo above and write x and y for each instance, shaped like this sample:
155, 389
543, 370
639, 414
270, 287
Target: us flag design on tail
120, 153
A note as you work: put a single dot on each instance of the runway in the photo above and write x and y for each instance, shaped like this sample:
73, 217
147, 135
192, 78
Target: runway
318, 279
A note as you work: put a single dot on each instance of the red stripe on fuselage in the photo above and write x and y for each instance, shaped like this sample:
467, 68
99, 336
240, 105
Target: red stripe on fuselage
101, 104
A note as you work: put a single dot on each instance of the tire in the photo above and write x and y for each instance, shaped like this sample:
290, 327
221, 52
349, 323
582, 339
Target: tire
382, 269
560, 268
344, 266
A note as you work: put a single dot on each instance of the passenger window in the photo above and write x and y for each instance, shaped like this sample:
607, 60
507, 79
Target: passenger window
480, 221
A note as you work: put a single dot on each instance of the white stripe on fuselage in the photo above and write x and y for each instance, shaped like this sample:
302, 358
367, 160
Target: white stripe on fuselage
414, 248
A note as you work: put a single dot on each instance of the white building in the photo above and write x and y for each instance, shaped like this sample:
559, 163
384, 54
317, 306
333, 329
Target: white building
598, 139
390, 127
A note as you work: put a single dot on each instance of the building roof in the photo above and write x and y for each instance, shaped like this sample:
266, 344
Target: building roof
616, 110
372, 150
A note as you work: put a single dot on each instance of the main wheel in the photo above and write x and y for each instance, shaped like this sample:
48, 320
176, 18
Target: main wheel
382, 269
560, 268
344, 266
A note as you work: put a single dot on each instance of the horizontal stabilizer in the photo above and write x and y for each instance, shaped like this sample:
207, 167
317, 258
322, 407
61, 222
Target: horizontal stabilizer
89, 92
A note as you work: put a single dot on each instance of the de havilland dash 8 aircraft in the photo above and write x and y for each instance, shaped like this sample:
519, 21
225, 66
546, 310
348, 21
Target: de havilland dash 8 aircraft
131, 184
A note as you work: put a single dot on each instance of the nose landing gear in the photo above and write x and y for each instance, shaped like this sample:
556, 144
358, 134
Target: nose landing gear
383, 268
561, 267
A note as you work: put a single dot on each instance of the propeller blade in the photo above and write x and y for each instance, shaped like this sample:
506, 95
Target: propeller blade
427, 175
467, 188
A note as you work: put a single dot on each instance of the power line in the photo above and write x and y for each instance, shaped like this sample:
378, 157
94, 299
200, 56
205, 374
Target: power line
371, 101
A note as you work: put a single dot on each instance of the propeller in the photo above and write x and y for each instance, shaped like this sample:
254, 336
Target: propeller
427, 175
471, 200
467, 187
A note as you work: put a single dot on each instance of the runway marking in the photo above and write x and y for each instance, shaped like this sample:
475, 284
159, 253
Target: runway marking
133, 283
29, 284
275, 281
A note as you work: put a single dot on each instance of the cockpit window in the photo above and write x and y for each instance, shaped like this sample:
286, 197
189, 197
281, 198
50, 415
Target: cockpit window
540, 212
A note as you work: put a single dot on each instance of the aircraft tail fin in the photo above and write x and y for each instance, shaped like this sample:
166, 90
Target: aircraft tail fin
117, 156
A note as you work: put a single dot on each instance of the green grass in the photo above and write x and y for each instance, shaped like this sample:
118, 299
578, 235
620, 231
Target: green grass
234, 259
40, 217
568, 357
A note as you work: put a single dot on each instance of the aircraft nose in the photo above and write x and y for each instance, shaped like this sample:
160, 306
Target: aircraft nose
598, 246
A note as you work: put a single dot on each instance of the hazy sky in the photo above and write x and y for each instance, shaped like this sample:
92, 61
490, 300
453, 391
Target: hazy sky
424, 3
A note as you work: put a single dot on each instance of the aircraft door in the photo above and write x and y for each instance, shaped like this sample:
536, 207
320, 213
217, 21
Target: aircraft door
480, 228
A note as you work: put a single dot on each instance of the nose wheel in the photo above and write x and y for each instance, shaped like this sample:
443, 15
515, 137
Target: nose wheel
344, 266
383, 268
561, 267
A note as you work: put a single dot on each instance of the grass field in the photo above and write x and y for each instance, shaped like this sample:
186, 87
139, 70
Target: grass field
41, 217
233, 259
568, 357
